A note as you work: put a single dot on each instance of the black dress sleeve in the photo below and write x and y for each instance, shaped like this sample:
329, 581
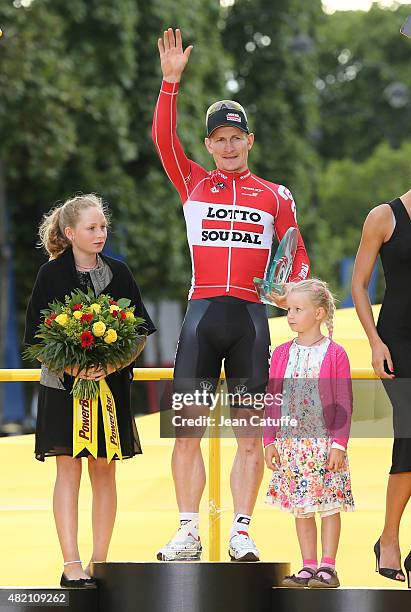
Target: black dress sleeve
39, 300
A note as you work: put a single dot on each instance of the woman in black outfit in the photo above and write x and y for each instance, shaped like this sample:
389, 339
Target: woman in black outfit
387, 232
74, 235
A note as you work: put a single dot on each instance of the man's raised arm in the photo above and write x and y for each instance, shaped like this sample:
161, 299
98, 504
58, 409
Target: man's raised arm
173, 61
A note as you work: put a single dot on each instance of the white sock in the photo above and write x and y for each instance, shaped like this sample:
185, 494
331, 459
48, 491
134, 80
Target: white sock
190, 520
241, 523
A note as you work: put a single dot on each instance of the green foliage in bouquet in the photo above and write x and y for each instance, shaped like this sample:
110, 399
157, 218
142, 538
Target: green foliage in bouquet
87, 332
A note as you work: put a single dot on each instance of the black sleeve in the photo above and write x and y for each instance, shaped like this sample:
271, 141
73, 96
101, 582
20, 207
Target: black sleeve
140, 310
39, 300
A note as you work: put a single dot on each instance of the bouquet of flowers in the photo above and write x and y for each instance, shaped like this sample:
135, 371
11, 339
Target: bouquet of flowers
87, 332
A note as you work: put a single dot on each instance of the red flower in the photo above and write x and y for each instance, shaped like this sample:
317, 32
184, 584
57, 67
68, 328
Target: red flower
77, 307
50, 319
122, 315
86, 318
111, 302
87, 339
114, 313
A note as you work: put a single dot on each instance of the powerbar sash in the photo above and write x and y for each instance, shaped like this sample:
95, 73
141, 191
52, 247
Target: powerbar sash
85, 424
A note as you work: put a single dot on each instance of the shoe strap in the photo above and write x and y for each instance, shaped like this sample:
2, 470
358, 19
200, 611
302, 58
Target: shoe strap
71, 562
326, 570
310, 570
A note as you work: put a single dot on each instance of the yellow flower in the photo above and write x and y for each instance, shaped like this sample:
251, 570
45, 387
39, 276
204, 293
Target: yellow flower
95, 308
62, 319
114, 307
111, 336
130, 315
77, 314
99, 329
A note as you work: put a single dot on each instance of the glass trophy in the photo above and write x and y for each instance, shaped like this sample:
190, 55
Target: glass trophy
279, 269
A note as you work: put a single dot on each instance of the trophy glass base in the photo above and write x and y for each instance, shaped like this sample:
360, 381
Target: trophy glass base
268, 291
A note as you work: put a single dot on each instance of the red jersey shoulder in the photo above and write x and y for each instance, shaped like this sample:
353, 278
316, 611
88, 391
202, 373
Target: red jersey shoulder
197, 173
281, 194
280, 190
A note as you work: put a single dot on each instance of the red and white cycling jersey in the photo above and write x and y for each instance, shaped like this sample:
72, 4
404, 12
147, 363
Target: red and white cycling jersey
231, 217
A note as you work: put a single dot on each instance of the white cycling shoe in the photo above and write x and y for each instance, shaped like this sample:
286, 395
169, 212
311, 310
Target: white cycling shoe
243, 548
182, 547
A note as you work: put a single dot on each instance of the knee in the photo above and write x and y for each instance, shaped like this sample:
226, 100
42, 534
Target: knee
68, 467
100, 470
187, 445
250, 447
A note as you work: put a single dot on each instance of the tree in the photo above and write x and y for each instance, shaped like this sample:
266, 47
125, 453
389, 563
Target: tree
273, 50
365, 73
79, 81
155, 240
347, 191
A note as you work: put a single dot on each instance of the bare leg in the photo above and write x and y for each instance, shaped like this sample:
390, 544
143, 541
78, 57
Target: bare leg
65, 507
189, 473
248, 467
187, 461
330, 535
398, 495
307, 537
103, 483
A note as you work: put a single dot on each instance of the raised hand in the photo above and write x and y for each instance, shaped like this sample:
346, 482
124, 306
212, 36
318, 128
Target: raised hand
173, 58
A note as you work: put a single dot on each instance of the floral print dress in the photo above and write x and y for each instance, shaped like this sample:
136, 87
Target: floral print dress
302, 484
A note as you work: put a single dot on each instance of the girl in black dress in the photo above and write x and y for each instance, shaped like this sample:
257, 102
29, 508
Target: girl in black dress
74, 235
387, 231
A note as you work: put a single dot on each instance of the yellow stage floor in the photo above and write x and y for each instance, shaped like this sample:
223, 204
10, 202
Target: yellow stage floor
147, 511
147, 516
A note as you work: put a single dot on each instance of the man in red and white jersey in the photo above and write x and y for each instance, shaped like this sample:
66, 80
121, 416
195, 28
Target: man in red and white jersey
232, 216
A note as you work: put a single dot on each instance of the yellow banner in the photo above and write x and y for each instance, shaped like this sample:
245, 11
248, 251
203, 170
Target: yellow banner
110, 422
85, 424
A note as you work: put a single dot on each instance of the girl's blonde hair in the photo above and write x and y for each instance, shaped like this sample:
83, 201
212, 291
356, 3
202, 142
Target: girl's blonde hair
51, 231
321, 296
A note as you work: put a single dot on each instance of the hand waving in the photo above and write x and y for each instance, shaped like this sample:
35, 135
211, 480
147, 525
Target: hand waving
173, 58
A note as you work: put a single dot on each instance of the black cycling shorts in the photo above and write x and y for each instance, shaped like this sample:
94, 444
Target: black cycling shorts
223, 328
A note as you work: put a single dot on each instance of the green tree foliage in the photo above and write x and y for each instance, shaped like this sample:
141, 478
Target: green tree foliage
364, 76
64, 111
364, 84
273, 50
350, 189
155, 240
79, 82
347, 191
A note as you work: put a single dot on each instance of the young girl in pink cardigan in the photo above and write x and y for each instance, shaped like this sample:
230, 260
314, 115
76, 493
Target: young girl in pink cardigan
308, 418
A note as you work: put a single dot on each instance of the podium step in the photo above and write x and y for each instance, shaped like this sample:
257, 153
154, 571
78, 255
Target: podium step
187, 587
29, 599
341, 600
